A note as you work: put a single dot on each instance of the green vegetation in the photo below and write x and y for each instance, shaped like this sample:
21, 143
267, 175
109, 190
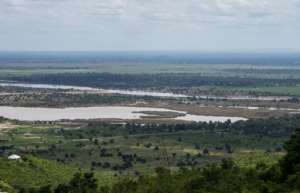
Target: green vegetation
273, 90
33, 172
54, 150
255, 75
193, 83
242, 69
282, 177
149, 155
106, 80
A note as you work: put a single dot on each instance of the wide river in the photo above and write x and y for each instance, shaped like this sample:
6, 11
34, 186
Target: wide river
105, 112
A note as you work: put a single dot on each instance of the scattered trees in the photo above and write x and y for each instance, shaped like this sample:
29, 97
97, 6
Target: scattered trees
215, 178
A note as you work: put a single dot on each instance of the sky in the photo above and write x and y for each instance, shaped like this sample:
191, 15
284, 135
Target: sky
198, 25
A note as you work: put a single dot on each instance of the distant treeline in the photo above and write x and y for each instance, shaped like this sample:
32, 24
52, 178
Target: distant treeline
141, 81
271, 127
43, 59
57, 99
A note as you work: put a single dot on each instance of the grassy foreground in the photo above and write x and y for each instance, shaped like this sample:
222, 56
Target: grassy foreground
33, 172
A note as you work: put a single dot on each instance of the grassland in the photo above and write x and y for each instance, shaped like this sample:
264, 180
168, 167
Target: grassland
53, 152
32, 172
89, 150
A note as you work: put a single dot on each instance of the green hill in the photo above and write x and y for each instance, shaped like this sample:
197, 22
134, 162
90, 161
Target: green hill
33, 172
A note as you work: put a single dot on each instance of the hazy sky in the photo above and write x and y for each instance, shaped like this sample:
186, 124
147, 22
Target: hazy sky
204, 25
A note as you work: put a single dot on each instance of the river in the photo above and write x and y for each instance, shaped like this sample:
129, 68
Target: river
104, 112
139, 92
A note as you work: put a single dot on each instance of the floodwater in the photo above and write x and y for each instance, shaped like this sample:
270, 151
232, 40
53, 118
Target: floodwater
104, 112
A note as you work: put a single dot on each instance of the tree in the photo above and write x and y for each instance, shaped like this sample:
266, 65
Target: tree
45, 189
290, 164
80, 183
205, 151
62, 188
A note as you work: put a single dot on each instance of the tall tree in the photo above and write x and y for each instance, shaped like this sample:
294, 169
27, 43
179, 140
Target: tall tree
290, 164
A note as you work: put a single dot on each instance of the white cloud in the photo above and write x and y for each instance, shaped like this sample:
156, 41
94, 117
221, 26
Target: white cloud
237, 11
145, 18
